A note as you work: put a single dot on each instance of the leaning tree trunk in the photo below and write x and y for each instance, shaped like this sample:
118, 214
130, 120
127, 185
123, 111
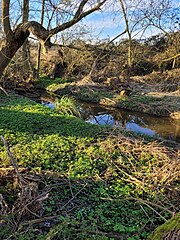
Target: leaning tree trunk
9, 49
14, 39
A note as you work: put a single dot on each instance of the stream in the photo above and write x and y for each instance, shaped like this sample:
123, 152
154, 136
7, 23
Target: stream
137, 122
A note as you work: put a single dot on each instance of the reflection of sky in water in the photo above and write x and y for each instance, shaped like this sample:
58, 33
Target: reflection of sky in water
104, 119
136, 128
107, 119
135, 122
48, 104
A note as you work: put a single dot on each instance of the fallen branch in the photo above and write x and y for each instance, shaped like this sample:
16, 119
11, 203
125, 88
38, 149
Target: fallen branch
20, 178
3, 90
30, 199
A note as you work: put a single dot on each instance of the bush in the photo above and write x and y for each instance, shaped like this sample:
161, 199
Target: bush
142, 67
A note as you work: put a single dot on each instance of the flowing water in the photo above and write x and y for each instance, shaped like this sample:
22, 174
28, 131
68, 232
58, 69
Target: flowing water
137, 122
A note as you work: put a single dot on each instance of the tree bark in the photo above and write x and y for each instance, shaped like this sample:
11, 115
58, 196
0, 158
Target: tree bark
8, 51
25, 16
5, 20
129, 55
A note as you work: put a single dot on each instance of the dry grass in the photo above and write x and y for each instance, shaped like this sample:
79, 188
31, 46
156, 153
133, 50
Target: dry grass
152, 167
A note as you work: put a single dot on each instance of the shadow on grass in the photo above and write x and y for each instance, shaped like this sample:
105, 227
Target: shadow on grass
41, 123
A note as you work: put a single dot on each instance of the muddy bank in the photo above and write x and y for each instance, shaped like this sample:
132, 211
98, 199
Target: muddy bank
156, 94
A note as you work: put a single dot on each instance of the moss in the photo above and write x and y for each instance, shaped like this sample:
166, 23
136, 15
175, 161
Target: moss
171, 225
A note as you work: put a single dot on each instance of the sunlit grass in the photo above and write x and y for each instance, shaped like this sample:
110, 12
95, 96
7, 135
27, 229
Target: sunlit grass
68, 106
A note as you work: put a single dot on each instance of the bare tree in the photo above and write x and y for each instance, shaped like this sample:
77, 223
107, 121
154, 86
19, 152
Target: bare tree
128, 31
15, 38
163, 16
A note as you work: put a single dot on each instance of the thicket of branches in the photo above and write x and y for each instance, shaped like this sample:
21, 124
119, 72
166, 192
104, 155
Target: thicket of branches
130, 53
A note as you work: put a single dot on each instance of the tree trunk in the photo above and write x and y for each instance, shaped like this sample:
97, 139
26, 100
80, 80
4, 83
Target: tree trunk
8, 51
129, 53
39, 45
25, 15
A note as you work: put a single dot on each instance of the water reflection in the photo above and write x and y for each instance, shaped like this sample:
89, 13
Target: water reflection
48, 104
134, 121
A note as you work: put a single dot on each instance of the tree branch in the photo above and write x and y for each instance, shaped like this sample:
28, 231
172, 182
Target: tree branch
13, 162
171, 58
6, 21
25, 11
44, 35
80, 9
78, 16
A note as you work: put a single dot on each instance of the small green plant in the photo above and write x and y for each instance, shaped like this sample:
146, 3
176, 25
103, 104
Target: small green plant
68, 106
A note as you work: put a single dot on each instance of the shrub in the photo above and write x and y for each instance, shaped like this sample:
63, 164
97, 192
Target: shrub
142, 67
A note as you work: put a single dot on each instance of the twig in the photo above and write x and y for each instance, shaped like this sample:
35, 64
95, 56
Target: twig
74, 196
147, 203
4, 91
13, 162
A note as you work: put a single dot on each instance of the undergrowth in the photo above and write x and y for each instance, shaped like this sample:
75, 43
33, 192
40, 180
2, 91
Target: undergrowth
99, 184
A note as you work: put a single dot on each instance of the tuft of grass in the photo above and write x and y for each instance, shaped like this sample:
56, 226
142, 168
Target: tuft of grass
68, 106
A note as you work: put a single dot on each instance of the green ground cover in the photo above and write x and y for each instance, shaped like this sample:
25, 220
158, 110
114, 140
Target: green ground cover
102, 184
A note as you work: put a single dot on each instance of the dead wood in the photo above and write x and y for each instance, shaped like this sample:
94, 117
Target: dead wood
30, 197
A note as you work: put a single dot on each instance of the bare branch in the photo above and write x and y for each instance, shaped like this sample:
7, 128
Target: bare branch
37, 30
13, 161
80, 9
25, 11
5, 20
171, 58
76, 18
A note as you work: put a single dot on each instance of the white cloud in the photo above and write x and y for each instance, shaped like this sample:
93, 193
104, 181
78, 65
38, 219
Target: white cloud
105, 24
176, 3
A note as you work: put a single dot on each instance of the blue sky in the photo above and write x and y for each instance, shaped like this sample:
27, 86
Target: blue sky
106, 24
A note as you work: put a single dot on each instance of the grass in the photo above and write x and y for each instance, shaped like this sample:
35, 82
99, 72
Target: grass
101, 184
68, 106
46, 82
159, 106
